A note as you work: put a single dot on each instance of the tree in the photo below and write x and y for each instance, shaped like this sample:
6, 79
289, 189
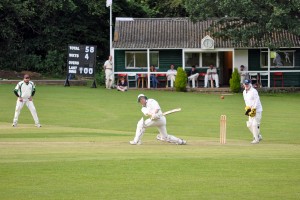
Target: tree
234, 81
180, 81
242, 20
165, 8
34, 34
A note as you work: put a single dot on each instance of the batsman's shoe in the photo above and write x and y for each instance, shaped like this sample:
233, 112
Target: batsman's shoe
14, 125
182, 142
260, 137
158, 137
38, 125
135, 143
254, 142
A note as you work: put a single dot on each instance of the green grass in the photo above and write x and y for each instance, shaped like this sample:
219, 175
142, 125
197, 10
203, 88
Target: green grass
82, 150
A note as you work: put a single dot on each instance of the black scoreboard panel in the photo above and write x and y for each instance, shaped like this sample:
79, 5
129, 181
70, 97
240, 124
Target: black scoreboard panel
82, 59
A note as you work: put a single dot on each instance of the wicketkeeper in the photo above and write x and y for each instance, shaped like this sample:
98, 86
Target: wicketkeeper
253, 110
151, 108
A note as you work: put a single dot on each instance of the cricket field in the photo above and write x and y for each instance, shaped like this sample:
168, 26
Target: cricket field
82, 150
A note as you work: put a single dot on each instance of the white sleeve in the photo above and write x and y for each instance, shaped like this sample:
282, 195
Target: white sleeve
145, 111
255, 99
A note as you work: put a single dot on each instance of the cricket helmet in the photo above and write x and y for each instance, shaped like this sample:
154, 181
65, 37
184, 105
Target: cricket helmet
247, 82
140, 96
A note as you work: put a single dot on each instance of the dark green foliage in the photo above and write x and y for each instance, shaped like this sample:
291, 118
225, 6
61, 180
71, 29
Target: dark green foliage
235, 80
100, 77
34, 35
242, 20
181, 80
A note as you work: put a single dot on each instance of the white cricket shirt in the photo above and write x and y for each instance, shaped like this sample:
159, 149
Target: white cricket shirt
252, 99
25, 89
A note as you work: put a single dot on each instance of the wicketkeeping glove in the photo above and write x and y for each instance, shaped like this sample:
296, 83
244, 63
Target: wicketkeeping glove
252, 112
248, 110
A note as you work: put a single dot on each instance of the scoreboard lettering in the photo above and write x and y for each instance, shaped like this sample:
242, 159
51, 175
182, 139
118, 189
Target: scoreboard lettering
82, 59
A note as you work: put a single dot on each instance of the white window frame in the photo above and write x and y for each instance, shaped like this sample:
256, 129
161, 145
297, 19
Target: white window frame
136, 52
272, 64
200, 61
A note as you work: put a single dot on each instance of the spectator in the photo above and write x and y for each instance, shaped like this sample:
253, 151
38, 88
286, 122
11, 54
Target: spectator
122, 85
171, 74
193, 75
153, 77
243, 73
109, 75
211, 74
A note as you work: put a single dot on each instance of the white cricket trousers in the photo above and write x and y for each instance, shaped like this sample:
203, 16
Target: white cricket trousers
160, 124
193, 78
253, 123
171, 78
30, 106
109, 78
209, 77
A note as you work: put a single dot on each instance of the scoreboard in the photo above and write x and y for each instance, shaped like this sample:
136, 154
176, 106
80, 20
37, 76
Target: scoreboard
82, 59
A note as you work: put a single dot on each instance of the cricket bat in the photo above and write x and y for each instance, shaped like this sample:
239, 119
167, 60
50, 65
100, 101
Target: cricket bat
171, 111
211, 81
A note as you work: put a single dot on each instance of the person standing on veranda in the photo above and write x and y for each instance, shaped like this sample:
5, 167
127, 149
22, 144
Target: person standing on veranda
253, 110
243, 74
109, 75
25, 91
171, 74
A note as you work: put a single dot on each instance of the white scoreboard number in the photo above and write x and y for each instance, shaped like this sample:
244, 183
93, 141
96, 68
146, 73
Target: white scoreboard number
82, 59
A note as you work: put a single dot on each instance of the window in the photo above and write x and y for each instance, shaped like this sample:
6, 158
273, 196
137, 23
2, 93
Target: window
278, 59
138, 59
209, 59
203, 59
191, 59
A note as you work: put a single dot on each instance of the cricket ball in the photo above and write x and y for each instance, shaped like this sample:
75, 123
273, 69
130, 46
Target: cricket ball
222, 97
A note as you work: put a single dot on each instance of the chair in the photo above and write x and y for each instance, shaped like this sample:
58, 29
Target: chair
142, 78
131, 79
278, 76
263, 79
201, 78
162, 80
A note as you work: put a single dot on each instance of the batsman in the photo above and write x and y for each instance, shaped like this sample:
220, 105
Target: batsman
151, 108
253, 110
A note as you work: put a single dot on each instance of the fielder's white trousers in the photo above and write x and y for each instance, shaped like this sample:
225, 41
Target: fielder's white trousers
171, 78
109, 78
193, 78
160, 124
30, 106
209, 77
253, 123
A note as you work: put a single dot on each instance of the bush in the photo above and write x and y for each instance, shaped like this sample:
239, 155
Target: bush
100, 77
54, 63
180, 81
235, 80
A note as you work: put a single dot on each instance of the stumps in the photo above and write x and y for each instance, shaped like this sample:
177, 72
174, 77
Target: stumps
223, 129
